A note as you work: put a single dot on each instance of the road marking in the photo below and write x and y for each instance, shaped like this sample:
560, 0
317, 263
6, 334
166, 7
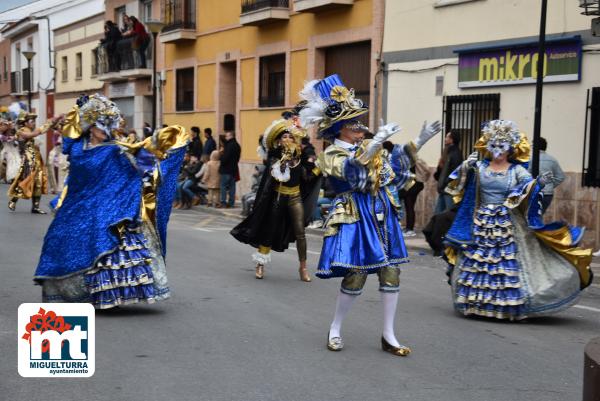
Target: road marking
293, 248
587, 308
202, 229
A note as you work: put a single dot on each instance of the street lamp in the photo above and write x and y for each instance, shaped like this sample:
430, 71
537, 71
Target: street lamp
539, 87
155, 27
29, 55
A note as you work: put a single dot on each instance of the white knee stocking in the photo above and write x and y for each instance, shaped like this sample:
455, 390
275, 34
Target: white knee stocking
342, 307
389, 301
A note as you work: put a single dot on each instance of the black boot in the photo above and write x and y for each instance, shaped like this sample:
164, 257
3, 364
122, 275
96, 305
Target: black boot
35, 206
12, 204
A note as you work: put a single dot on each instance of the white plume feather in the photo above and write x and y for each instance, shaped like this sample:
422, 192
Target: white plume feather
314, 110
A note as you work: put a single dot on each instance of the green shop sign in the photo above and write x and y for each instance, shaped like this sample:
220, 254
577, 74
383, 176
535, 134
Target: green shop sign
515, 64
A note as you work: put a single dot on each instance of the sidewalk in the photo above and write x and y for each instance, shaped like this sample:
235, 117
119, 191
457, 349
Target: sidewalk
417, 243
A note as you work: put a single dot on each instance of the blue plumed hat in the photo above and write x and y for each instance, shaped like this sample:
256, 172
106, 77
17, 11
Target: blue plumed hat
330, 106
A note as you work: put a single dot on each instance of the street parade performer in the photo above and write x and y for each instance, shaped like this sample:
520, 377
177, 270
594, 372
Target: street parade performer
10, 153
363, 234
504, 263
31, 180
285, 198
107, 242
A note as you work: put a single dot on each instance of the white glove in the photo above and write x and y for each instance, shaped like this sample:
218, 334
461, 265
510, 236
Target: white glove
427, 132
383, 134
472, 159
545, 178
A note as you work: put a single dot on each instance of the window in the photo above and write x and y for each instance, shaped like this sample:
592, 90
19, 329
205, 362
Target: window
591, 172
78, 65
64, 69
5, 69
94, 63
119, 13
147, 10
272, 81
185, 89
466, 113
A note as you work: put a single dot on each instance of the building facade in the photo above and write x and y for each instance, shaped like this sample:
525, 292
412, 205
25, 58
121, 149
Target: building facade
472, 61
128, 80
75, 60
237, 65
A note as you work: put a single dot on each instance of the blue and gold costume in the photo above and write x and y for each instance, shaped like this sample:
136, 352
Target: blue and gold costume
107, 242
497, 268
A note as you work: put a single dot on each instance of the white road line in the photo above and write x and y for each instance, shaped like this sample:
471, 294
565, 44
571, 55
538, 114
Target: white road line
202, 229
308, 251
587, 308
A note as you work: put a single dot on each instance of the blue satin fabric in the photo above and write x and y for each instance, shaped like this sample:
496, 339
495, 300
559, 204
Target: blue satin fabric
104, 190
367, 244
169, 170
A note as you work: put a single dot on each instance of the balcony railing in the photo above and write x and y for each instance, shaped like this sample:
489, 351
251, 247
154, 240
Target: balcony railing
121, 60
249, 6
64, 75
78, 72
179, 14
15, 82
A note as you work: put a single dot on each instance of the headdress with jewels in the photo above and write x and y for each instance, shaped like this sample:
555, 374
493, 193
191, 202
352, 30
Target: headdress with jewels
330, 106
92, 111
276, 129
499, 136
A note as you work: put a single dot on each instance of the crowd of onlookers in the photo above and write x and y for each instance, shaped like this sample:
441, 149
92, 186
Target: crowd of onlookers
119, 43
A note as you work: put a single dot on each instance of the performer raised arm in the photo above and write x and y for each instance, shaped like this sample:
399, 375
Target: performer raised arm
31, 180
504, 263
363, 235
107, 242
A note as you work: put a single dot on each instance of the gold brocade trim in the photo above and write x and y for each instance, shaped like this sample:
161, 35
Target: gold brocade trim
560, 240
71, 125
451, 255
265, 250
171, 137
283, 190
344, 212
62, 197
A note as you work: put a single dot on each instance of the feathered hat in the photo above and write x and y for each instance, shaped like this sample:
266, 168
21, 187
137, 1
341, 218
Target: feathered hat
330, 106
95, 110
499, 136
19, 113
276, 129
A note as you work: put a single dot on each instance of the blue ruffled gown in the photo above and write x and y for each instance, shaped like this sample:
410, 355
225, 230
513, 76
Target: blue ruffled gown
106, 244
499, 267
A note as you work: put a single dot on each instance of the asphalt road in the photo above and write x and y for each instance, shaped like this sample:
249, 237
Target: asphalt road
227, 336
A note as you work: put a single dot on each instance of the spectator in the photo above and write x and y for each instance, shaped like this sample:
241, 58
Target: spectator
186, 195
211, 180
148, 131
195, 146
112, 35
126, 23
140, 37
549, 164
450, 160
230, 157
209, 143
421, 171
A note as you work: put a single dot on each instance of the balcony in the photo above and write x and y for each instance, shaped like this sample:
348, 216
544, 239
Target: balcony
260, 12
180, 19
120, 61
312, 6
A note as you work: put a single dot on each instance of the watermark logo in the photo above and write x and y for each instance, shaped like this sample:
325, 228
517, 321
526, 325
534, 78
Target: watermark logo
56, 340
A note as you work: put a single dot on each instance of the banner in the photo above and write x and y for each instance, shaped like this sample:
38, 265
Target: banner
517, 64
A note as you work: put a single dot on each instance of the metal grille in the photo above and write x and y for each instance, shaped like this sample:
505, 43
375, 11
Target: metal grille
179, 14
272, 81
255, 5
465, 115
591, 153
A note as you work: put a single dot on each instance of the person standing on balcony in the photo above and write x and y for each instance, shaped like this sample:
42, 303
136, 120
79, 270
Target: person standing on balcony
112, 35
140, 37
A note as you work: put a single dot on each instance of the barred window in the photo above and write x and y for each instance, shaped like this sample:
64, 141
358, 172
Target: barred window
272, 81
